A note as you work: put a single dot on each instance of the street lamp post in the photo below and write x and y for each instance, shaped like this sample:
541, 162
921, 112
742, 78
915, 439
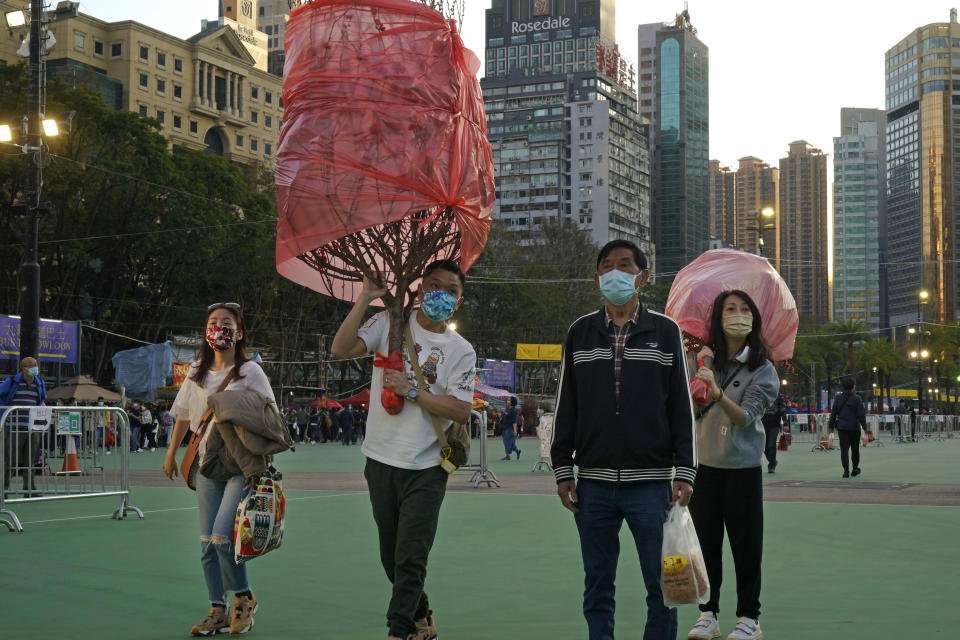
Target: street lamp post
35, 151
760, 225
922, 297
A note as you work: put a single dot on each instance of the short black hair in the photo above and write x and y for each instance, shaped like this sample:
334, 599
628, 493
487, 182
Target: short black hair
513, 401
446, 265
638, 257
847, 382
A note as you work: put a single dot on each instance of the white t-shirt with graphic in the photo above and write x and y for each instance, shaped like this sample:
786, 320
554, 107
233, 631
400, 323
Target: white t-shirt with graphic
448, 362
191, 402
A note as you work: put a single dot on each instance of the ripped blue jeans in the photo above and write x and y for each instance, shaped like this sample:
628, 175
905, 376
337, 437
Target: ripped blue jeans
218, 508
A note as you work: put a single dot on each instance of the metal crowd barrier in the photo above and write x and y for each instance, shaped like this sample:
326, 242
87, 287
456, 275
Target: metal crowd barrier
894, 428
63, 453
481, 469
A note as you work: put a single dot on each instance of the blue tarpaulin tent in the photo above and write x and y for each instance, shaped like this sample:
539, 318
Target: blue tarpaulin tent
144, 369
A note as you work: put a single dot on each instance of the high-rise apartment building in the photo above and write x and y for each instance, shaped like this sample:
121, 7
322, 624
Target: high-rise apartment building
680, 136
723, 204
923, 174
859, 203
568, 142
206, 92
272, 16
803, 229
647, 72
758, 188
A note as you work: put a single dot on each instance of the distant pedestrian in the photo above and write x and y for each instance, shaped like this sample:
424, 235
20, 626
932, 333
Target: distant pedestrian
345, 421
509, 423
848, 417
773, 420
26, 388
303, 423
136, 426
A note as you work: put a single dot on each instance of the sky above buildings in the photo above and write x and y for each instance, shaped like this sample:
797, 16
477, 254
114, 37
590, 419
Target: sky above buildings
779, 71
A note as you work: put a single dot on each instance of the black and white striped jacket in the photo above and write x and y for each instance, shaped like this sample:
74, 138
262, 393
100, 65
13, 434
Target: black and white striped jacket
649, 433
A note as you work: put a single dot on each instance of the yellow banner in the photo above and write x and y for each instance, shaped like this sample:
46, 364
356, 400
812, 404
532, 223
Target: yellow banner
539, 351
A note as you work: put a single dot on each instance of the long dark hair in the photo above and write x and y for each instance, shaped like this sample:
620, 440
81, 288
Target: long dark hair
206, 351
759, 353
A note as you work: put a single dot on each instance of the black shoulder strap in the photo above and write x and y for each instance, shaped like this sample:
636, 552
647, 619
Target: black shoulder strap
841, 406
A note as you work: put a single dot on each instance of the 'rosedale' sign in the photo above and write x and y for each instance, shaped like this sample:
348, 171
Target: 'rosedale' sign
540, 25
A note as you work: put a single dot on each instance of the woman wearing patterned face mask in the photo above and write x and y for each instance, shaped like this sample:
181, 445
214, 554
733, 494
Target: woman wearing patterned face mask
224, 350
730, 443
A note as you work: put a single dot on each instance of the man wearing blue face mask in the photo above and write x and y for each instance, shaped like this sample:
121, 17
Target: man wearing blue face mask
23, 389
406, 482
625, 418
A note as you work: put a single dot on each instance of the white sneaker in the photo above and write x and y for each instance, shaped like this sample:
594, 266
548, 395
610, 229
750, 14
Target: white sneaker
706, 627
746, 629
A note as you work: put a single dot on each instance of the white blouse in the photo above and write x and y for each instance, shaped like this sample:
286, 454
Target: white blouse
191, 401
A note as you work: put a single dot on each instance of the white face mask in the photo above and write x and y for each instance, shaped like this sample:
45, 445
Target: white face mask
738, 325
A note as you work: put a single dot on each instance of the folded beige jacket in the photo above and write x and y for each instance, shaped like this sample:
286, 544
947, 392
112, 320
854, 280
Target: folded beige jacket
247, 432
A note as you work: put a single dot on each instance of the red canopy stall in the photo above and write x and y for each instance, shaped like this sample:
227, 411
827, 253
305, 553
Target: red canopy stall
360, 399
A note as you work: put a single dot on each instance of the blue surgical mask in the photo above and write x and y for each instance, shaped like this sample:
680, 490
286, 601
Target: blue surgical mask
438, 305
618, 286
33, 372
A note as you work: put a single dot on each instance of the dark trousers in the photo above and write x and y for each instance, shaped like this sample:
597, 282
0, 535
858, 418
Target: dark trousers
21, 457
510, 442
603, 508
849, 441
731, 499
135, 436
406, 507
770, 449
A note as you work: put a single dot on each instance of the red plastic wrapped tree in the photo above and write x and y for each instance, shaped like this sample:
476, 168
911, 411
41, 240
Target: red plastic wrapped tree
383, 163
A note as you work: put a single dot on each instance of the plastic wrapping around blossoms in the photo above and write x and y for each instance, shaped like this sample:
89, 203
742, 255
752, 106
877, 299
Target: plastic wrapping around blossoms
383, 124
697, 285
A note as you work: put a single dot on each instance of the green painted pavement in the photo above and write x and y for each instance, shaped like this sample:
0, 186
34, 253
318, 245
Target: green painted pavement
932, 462
503, 567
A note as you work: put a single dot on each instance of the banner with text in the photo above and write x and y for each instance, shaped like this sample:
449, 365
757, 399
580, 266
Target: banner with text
539, 351
59, 340
180, 371
500, 373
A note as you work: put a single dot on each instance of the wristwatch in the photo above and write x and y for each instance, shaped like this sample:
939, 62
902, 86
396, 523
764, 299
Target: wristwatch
412, 394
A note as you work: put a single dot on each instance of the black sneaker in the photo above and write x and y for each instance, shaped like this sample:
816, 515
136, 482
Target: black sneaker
856, 471
846, 474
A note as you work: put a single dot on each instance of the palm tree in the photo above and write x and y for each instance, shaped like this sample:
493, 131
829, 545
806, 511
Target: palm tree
883, 355
820, 348
851, 332
943, 344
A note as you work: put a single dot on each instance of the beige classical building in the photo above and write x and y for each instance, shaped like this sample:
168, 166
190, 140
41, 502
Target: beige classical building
206, 91
758, 188
804, 220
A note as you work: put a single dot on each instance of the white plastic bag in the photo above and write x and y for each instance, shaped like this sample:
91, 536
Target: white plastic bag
683, 575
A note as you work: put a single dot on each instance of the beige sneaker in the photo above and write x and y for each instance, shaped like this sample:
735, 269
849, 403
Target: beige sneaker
243, 609
426, 627
216, 622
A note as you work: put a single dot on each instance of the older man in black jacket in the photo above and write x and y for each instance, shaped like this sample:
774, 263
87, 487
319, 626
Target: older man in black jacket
625, 418
848, 416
